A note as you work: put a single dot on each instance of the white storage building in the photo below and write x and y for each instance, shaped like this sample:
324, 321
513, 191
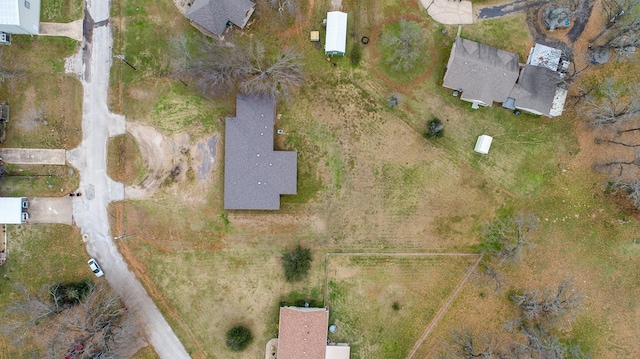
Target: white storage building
336, 41
483, 144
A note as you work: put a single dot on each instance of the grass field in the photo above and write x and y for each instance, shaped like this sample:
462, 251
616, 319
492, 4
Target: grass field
38, 119
382, 304
369, 180
61, 10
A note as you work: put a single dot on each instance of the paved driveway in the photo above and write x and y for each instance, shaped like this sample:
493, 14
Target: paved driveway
33, 156
449, 12
50, 210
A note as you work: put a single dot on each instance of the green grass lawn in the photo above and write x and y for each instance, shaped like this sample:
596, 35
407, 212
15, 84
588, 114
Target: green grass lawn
38, 119
61, 10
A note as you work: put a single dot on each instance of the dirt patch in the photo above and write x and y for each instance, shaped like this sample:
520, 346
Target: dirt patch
169, 159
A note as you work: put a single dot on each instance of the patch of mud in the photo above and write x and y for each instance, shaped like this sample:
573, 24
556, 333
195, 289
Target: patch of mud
205, 157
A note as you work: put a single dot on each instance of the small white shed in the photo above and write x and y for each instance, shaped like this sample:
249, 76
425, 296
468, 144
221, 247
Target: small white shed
483, 144
336, 41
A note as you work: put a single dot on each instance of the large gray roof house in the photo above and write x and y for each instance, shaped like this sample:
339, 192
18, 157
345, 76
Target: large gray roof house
254, 174
215, 15
481, 72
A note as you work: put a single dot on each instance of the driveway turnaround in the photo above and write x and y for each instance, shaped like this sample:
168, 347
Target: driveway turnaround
97, 189
33, 156
449, 12
50, 210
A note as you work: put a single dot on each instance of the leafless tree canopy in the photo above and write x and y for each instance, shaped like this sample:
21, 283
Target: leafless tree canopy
404, 47
507, 237
224, 68
289, 6
96, 325
463, 344
549, 305
611, 103
622, 27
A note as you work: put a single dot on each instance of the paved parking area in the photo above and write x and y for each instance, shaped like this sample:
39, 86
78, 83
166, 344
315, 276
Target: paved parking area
50, 210
33, 156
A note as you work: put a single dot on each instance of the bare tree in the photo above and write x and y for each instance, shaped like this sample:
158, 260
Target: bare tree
274, 74
405, 46
549, 305
463, 344
96, 325
611, 103
622, 27
290, 6
508, 237
541, 342
631, 188
489, 275
221, 68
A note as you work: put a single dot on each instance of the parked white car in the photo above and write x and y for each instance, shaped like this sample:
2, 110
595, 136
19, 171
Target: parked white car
95, 267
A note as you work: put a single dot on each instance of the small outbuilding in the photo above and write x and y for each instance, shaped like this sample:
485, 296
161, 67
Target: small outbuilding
483, 144
336, 41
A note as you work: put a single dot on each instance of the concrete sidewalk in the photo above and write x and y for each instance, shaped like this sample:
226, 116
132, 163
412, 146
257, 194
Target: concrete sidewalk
71, 30
449, 12
33, 156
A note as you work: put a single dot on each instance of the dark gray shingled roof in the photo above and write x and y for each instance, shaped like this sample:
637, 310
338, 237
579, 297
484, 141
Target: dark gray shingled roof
536, 88
254, 174
483, 72
214, 15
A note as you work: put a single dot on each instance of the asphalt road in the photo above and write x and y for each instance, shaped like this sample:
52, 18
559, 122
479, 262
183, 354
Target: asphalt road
490, 12
90, 210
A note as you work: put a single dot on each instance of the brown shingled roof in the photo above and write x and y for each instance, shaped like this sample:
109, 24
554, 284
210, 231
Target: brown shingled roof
303, 333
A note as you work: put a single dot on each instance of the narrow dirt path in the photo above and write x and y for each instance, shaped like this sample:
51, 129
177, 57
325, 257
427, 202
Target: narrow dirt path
443, 309
90, 210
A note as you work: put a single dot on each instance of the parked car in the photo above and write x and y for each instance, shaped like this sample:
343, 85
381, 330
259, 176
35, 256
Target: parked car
25, 216
95, 267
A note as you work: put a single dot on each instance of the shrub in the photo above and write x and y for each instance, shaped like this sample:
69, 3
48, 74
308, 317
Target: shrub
435, 129
296, 264
239, 338
394, 100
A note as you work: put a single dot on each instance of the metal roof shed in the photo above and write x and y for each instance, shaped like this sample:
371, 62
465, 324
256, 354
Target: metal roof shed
336, 41
11, 210
483, 144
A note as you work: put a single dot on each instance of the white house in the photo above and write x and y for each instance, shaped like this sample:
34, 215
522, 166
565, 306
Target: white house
336, 41
20, 17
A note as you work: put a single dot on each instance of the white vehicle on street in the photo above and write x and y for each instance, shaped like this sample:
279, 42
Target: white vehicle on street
95, 267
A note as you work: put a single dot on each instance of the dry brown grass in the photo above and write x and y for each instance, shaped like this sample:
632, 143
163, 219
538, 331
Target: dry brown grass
124, 163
